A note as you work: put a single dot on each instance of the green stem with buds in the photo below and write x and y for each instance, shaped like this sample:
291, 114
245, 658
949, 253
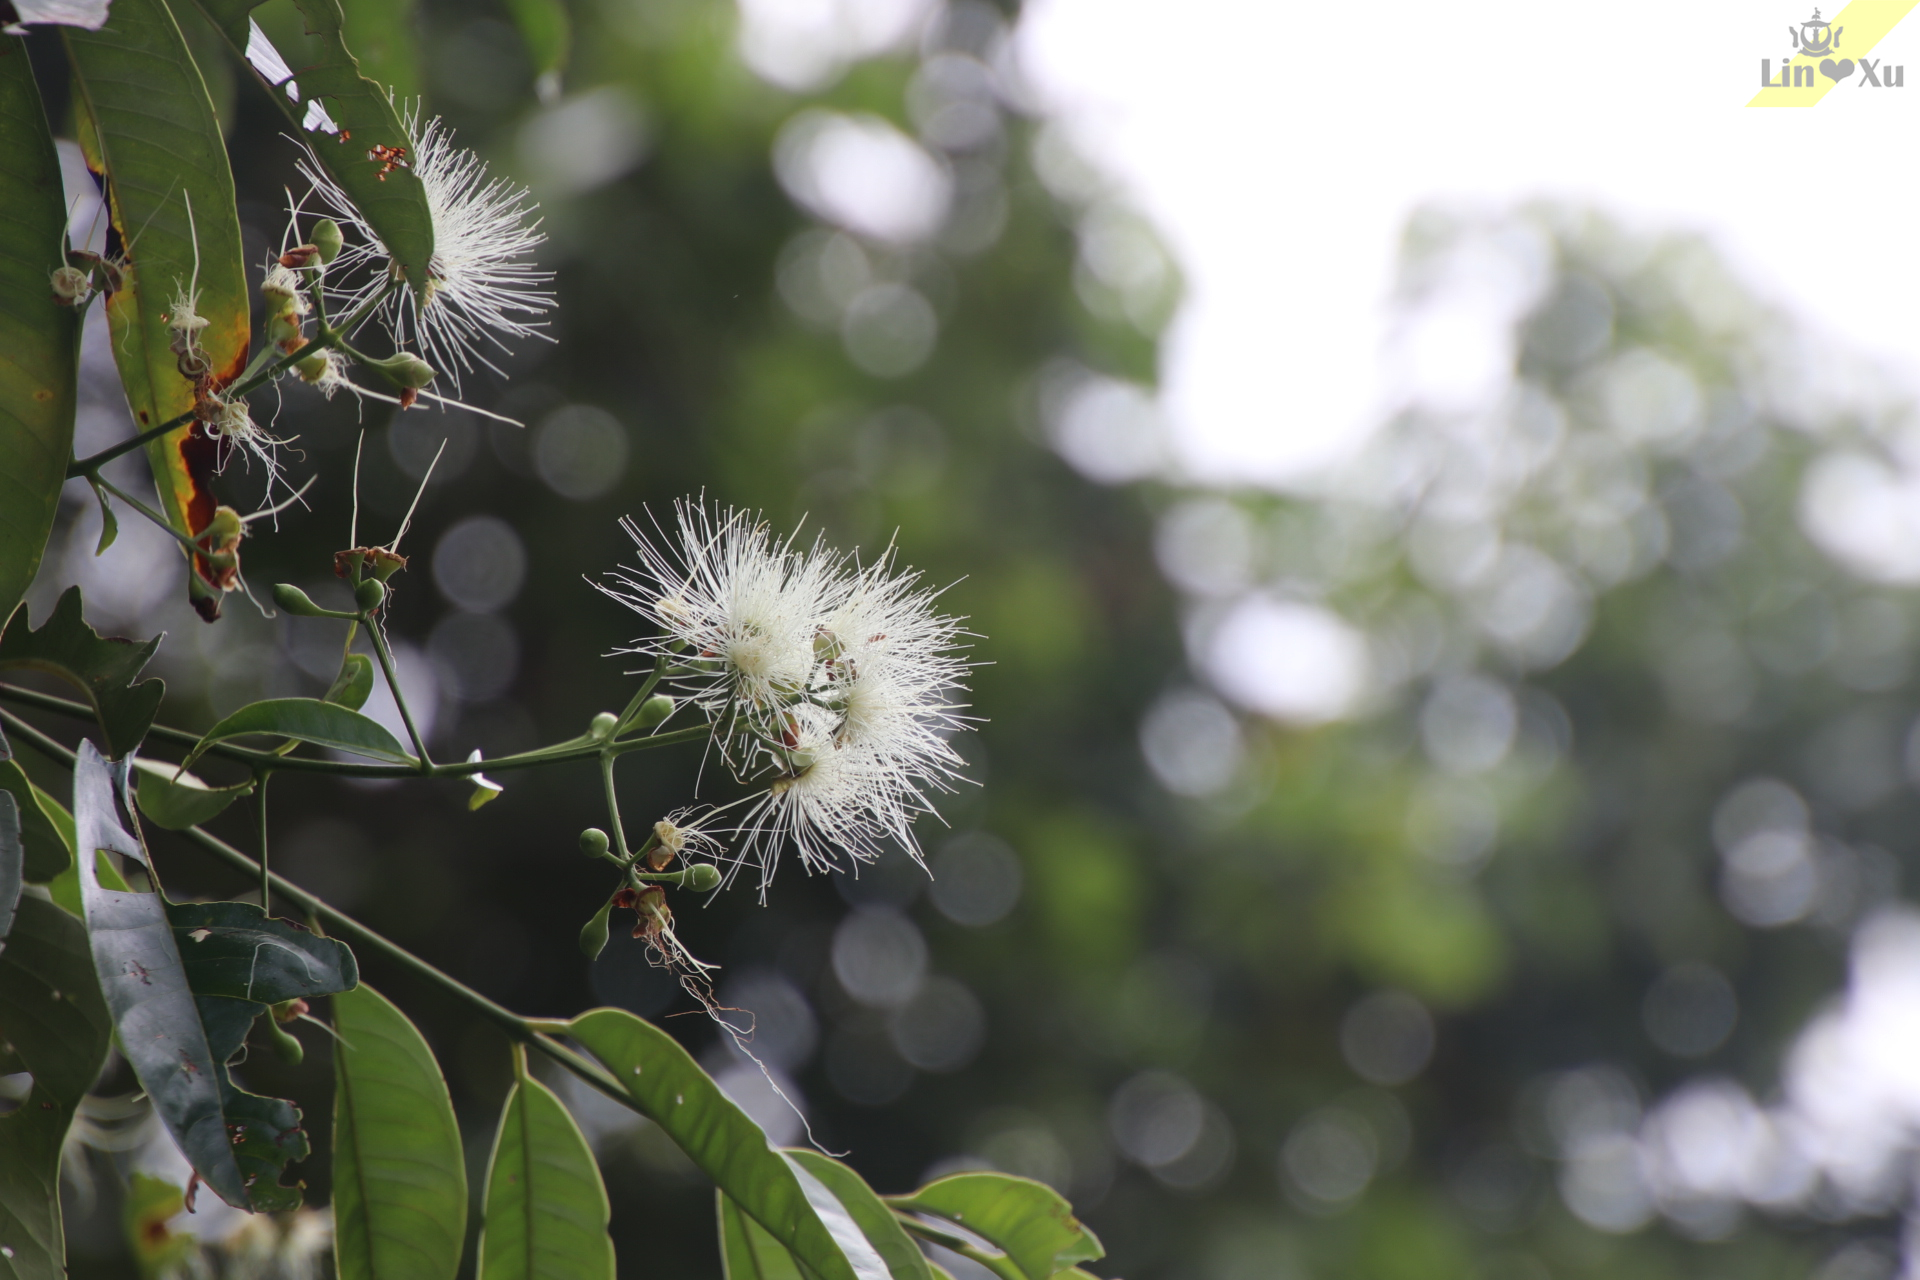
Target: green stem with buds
329, 336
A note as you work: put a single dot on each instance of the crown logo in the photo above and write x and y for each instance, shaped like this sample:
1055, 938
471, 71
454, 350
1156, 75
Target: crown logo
1815, 37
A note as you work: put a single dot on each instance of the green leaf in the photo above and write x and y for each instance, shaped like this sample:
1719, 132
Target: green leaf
109, 523
236, 949
13, 863
149, 125
55, 1021
668, 1087
1029, 1221
354, 685
546, 1208
399, 1178
47, 846
173, 798
311, 44
869, 1212
177, 1042
39, 336
380, 35
150, 1203
325, 724
548, 36
102, 669
747, 1252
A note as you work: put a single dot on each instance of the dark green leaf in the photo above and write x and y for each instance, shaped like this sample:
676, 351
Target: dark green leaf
1029, 1221
399, 1179
54, 1021
39, 336
149, 125
102, 669
668, 1087
380, 35
311, 44
235, 949
546, 1208
325, 724
354, 685
548, 36
13, 863
238, 1143
876, 1221
747, 1252
109, 523
45, 846
175, 799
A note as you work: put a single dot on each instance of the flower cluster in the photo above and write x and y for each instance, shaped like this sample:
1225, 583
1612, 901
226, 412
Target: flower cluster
829, 685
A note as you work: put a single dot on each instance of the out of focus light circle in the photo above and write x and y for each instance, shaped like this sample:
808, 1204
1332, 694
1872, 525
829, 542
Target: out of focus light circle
584, 143
480, 564
478, 652
1468, 724
1110, 431
863, 174
754, 1094
1208, 1160
1156, 1117
889, 330
1601, 1184
1297, 663
1387, 1038
941, 1028
783, 1032
976, 879
879, 957
1690, 1010
1328, 1159
580, 451
1770, 878
1192, 743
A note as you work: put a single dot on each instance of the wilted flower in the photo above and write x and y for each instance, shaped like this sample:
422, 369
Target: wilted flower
481, 283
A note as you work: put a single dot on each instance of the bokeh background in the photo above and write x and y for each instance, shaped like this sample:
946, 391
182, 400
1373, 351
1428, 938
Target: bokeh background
1479, 856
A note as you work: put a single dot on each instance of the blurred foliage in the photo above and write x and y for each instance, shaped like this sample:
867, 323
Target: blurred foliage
1589, 604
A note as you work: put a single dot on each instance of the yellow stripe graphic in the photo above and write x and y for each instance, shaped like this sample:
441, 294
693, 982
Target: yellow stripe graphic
1861, 24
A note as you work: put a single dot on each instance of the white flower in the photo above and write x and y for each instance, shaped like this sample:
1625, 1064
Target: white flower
737, 607
482, 286
830, 687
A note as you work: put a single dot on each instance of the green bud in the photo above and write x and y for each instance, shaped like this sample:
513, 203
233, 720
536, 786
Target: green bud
405, 370
593, 934
290, 1050
327, 239
701, 877
297, 602
602, 726
653, 711
594, 843
370, 594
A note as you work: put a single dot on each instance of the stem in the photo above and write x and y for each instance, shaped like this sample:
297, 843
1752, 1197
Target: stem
613, 805
379, 639
193, 548
998, 1263
328, 337
646, 689
556, 753
260, 803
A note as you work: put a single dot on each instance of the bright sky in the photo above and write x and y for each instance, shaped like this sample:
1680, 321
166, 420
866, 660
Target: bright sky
1279, 147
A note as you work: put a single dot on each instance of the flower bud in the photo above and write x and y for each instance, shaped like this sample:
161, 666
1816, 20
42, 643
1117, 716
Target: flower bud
593, 934
370, 594
290, 1051
405, 370
602, 726
593, 842
302, 255
297, 602
653, 711
326, 238
701, 877
288, 1010
313, 368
